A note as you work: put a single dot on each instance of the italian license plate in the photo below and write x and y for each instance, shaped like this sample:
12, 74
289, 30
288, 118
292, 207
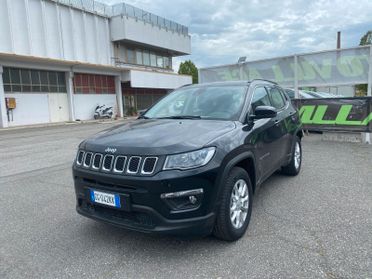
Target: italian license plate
105, 198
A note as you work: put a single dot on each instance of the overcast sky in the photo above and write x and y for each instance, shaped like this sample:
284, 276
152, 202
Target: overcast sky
222, 31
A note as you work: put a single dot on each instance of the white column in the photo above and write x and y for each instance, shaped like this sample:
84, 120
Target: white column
297, 95
70, 94
3, 116
119, 96
367, 138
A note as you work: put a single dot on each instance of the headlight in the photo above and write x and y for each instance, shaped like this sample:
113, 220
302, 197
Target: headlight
190, 159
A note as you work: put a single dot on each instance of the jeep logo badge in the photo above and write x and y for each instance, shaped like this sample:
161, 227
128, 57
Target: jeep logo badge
110, 150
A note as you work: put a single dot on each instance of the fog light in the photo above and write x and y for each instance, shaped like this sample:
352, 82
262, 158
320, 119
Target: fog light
193, 199
183, 200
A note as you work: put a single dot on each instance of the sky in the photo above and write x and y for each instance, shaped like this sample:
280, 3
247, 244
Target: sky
222, 31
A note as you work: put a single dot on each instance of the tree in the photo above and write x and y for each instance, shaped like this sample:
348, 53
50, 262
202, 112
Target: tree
361, 89
366, 39
189, 68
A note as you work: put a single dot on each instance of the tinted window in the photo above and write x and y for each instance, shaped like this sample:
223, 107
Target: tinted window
260, 98
276, 98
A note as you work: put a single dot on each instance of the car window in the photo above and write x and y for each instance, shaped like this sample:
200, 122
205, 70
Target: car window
260, 98
276, 98
215, 102
284, 95
290, 93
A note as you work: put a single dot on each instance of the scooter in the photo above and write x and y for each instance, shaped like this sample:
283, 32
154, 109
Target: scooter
103, 112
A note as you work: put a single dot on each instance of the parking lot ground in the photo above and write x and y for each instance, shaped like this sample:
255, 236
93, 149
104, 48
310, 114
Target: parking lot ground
315, 225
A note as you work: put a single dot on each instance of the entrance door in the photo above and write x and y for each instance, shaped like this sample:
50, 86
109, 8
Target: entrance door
58, 107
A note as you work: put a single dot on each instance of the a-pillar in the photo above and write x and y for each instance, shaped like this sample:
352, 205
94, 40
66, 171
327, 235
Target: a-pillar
3, 114
119, 96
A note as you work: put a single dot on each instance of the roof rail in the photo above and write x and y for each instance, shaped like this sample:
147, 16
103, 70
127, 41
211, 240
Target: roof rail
262, 79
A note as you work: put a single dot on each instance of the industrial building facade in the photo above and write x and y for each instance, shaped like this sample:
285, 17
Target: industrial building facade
59, 59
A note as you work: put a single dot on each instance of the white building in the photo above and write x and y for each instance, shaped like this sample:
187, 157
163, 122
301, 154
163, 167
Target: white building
61, 58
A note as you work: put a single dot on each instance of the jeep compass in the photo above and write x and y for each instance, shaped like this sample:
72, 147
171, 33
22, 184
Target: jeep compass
192, 162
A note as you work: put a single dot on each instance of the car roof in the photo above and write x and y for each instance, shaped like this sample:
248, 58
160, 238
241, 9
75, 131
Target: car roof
231, 83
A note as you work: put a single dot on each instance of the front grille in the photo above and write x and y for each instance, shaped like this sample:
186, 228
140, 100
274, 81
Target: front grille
133, 164
88, 159
120, 164
148, 166
107, 162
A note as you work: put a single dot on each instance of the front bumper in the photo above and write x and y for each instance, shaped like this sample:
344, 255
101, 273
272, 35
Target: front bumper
144, 208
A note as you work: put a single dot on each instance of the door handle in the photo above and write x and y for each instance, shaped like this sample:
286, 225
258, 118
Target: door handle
276, 121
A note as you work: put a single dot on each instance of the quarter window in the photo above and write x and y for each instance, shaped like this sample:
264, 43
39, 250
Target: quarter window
276, 98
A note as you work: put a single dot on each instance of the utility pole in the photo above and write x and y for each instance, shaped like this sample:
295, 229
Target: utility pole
338, 40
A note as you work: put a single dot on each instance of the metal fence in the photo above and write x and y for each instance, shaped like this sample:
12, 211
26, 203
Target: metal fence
327, 68
125, 10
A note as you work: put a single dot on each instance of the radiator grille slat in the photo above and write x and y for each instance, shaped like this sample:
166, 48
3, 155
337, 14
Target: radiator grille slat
119, 163
88, 159
107, 162
149, 165
80, 157
97, 159
133, 164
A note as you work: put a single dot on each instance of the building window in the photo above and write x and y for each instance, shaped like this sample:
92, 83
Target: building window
146, 58
93, 84
130, 56
160, 61
139, 59
153, 59
33, 81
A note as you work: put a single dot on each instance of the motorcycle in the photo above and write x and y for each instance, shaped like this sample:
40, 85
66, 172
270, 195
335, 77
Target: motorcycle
102, 112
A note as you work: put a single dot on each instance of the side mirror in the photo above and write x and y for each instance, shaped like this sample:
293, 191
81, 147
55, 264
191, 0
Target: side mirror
264, 112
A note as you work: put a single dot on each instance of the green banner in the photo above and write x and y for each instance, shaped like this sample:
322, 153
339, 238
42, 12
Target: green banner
336, 114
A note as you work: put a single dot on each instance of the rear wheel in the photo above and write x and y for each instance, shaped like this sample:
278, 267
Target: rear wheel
235, 210
294, 166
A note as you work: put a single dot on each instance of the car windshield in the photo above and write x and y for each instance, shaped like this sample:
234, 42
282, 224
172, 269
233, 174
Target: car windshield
210, 102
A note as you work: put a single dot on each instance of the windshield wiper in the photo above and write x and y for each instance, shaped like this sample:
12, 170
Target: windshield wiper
180, 117
143, 117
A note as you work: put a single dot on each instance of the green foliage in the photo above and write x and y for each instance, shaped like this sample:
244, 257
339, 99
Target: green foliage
189, 68
361, 89
366, 39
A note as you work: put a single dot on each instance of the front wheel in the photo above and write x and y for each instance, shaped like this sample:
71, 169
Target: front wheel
235, 210
294, 166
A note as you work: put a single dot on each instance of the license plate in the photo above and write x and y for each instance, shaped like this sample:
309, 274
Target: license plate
105, 198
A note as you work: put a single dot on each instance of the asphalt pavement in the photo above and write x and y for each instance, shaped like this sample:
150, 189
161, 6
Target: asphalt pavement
315, 225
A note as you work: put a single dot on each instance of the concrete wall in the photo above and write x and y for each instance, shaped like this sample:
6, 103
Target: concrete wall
47, 29
85, 104
40, 108
145, 79
127, 28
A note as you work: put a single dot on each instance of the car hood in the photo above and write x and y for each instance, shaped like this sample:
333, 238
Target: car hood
158, 136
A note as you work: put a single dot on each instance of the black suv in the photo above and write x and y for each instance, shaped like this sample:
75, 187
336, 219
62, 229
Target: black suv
192, 162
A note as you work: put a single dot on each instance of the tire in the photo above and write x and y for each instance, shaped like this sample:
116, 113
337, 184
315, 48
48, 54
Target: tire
227, 228
294, 166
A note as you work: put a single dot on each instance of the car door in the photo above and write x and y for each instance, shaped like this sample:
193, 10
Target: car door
280, 131
263, 136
